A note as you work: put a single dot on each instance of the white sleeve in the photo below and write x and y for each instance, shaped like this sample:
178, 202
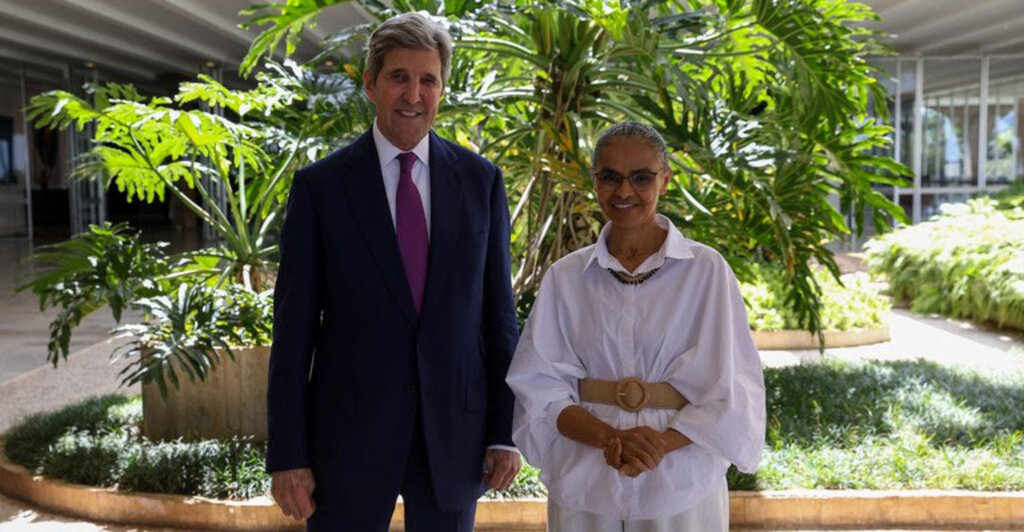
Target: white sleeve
544, 376
721, 377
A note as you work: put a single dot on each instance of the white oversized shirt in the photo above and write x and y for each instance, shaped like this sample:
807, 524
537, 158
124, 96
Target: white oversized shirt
685, 325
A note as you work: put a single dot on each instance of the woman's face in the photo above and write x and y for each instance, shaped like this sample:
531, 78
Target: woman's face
628, 180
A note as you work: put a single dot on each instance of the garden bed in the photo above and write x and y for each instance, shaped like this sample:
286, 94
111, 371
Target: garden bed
833, 425
968, 262
853, 313
856, 303
844, 439
890, 425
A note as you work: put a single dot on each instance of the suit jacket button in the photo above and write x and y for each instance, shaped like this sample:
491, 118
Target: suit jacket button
410, 389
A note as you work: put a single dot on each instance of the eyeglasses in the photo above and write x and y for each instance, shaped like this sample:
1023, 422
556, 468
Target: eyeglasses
640, 181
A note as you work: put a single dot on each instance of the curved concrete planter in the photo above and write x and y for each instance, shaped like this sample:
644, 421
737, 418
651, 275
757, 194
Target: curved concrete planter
107, 505
779, 509
176, 511
232, 399
790, 340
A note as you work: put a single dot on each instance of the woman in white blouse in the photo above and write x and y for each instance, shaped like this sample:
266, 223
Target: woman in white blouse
636, 378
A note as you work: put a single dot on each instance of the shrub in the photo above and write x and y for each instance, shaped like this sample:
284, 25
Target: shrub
855, 304
967, 262
526, 485
98, 443
82, 457
27, 442
239, 471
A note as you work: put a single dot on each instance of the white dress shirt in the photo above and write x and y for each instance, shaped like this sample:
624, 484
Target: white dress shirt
685, 325
391, 167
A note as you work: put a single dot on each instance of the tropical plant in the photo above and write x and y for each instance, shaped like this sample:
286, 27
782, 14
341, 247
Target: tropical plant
188, 330
244, 145
237, 151
766, 106
967, 262
856, 303
187, 320
107, 265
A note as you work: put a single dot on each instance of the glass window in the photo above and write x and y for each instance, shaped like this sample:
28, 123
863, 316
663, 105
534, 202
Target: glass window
950, 121
6, 150
1006, 95
932, 203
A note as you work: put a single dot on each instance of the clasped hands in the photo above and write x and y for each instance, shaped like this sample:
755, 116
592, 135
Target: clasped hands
640, 449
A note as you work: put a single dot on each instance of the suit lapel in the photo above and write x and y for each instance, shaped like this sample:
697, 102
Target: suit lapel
364, 187
445, 209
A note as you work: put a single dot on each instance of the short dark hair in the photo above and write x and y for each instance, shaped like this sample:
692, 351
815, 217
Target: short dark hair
415, 31
631, 130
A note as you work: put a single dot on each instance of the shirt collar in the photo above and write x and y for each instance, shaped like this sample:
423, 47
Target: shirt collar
387, 152
675, 246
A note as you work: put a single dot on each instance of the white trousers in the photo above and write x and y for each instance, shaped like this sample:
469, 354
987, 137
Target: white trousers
711, 514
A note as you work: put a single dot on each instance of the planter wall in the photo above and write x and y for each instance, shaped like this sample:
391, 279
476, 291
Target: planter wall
774, 510
232, 401
774, 340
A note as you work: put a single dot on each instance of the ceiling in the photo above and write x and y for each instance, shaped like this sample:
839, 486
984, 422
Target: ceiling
952, 27
137, 40
160, 42
952, 36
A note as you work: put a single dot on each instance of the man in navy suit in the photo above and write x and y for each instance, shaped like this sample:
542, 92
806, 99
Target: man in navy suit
394, 322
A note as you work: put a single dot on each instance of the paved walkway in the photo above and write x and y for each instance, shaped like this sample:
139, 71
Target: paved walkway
23, 327
950, 342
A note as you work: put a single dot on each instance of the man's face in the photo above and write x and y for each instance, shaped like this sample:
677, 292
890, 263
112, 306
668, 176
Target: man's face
406, 93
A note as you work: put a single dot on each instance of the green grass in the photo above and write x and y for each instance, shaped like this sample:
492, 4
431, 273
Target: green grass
834, 425
892, 425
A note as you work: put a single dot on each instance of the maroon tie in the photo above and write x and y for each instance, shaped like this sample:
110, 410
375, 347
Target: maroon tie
411, 225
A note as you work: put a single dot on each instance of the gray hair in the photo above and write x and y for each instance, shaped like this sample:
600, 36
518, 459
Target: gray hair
415, 31
631, 130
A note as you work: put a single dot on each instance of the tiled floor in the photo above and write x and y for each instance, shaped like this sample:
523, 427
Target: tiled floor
23, 332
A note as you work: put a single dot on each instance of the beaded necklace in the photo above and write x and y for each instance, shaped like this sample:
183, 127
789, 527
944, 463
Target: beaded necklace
626, 278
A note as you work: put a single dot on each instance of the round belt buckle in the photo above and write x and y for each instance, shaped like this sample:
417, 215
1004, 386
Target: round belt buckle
631, 394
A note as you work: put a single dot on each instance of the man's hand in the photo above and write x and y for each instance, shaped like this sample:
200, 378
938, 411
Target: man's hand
500, 468
293, 492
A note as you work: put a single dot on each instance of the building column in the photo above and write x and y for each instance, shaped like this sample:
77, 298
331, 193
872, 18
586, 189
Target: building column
983, 125
897, 152
918, 154
29, 166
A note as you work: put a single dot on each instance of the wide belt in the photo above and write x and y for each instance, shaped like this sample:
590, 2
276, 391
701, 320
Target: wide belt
632, 394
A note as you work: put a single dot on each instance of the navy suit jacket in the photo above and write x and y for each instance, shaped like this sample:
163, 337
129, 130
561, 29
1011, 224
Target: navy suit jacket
351, 362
